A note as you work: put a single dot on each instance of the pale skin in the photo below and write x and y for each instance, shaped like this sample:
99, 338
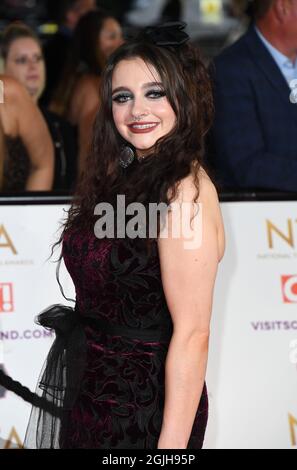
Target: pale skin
25, 63
188, 278
188, 275
137, 93
21, 117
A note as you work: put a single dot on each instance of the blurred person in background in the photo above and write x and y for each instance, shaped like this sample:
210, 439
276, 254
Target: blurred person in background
23, 60
2, 155
96, 36
27, 154
56, 50
237, 9
117, 9
253, 143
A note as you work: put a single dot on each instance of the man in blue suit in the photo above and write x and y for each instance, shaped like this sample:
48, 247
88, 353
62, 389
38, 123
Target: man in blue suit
253, 143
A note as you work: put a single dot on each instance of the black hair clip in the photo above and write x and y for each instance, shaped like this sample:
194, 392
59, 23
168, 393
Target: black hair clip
165, 34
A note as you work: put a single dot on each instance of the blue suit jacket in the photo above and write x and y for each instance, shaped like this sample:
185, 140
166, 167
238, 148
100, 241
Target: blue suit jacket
254, 136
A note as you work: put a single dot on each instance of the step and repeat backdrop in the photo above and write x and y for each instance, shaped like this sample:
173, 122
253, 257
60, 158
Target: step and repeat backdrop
252, 369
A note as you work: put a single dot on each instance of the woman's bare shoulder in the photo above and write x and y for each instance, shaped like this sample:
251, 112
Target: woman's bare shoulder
210, 198
84, 96
16, 104
12, 90
207, 197
86, 83
187, 187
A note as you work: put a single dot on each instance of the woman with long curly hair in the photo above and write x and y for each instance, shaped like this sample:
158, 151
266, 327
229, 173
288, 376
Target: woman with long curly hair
127, 368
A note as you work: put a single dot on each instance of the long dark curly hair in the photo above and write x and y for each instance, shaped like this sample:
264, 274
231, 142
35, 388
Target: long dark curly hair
155, 179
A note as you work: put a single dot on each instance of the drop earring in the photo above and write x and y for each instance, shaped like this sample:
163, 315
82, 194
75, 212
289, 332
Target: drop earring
126, 156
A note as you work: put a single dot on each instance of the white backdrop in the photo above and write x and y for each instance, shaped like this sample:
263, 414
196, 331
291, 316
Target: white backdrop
252, 373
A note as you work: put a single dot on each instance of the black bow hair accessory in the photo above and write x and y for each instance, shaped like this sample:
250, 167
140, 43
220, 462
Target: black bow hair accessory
165, 34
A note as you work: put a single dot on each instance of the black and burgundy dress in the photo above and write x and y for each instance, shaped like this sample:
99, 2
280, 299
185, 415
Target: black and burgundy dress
116, 340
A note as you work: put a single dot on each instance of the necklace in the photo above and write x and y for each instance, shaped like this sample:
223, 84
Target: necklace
140, 159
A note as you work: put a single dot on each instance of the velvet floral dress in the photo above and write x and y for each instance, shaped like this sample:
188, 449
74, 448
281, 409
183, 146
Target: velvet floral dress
121, 399
107, 365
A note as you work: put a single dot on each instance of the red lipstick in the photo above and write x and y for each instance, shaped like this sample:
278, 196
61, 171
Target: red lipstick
142, 127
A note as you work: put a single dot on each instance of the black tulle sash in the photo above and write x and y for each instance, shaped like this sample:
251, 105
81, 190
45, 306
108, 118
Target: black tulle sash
60, 380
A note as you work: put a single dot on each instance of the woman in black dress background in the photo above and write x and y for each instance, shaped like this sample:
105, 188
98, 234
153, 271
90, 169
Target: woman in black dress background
23, 60
27, 158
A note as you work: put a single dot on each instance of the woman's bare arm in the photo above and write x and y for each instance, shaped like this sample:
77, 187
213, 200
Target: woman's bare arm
83, 109
28, 123
188, 277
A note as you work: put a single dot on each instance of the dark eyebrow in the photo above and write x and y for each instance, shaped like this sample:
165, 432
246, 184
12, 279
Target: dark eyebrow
146, 85
25, 54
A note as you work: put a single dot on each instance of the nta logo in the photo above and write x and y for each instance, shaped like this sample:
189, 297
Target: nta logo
5, 240
286, 235
289, 288
6, 297
13, 441
292, 425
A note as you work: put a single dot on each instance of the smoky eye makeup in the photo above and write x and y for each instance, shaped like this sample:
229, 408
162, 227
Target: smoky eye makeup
154, 93
121, 97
